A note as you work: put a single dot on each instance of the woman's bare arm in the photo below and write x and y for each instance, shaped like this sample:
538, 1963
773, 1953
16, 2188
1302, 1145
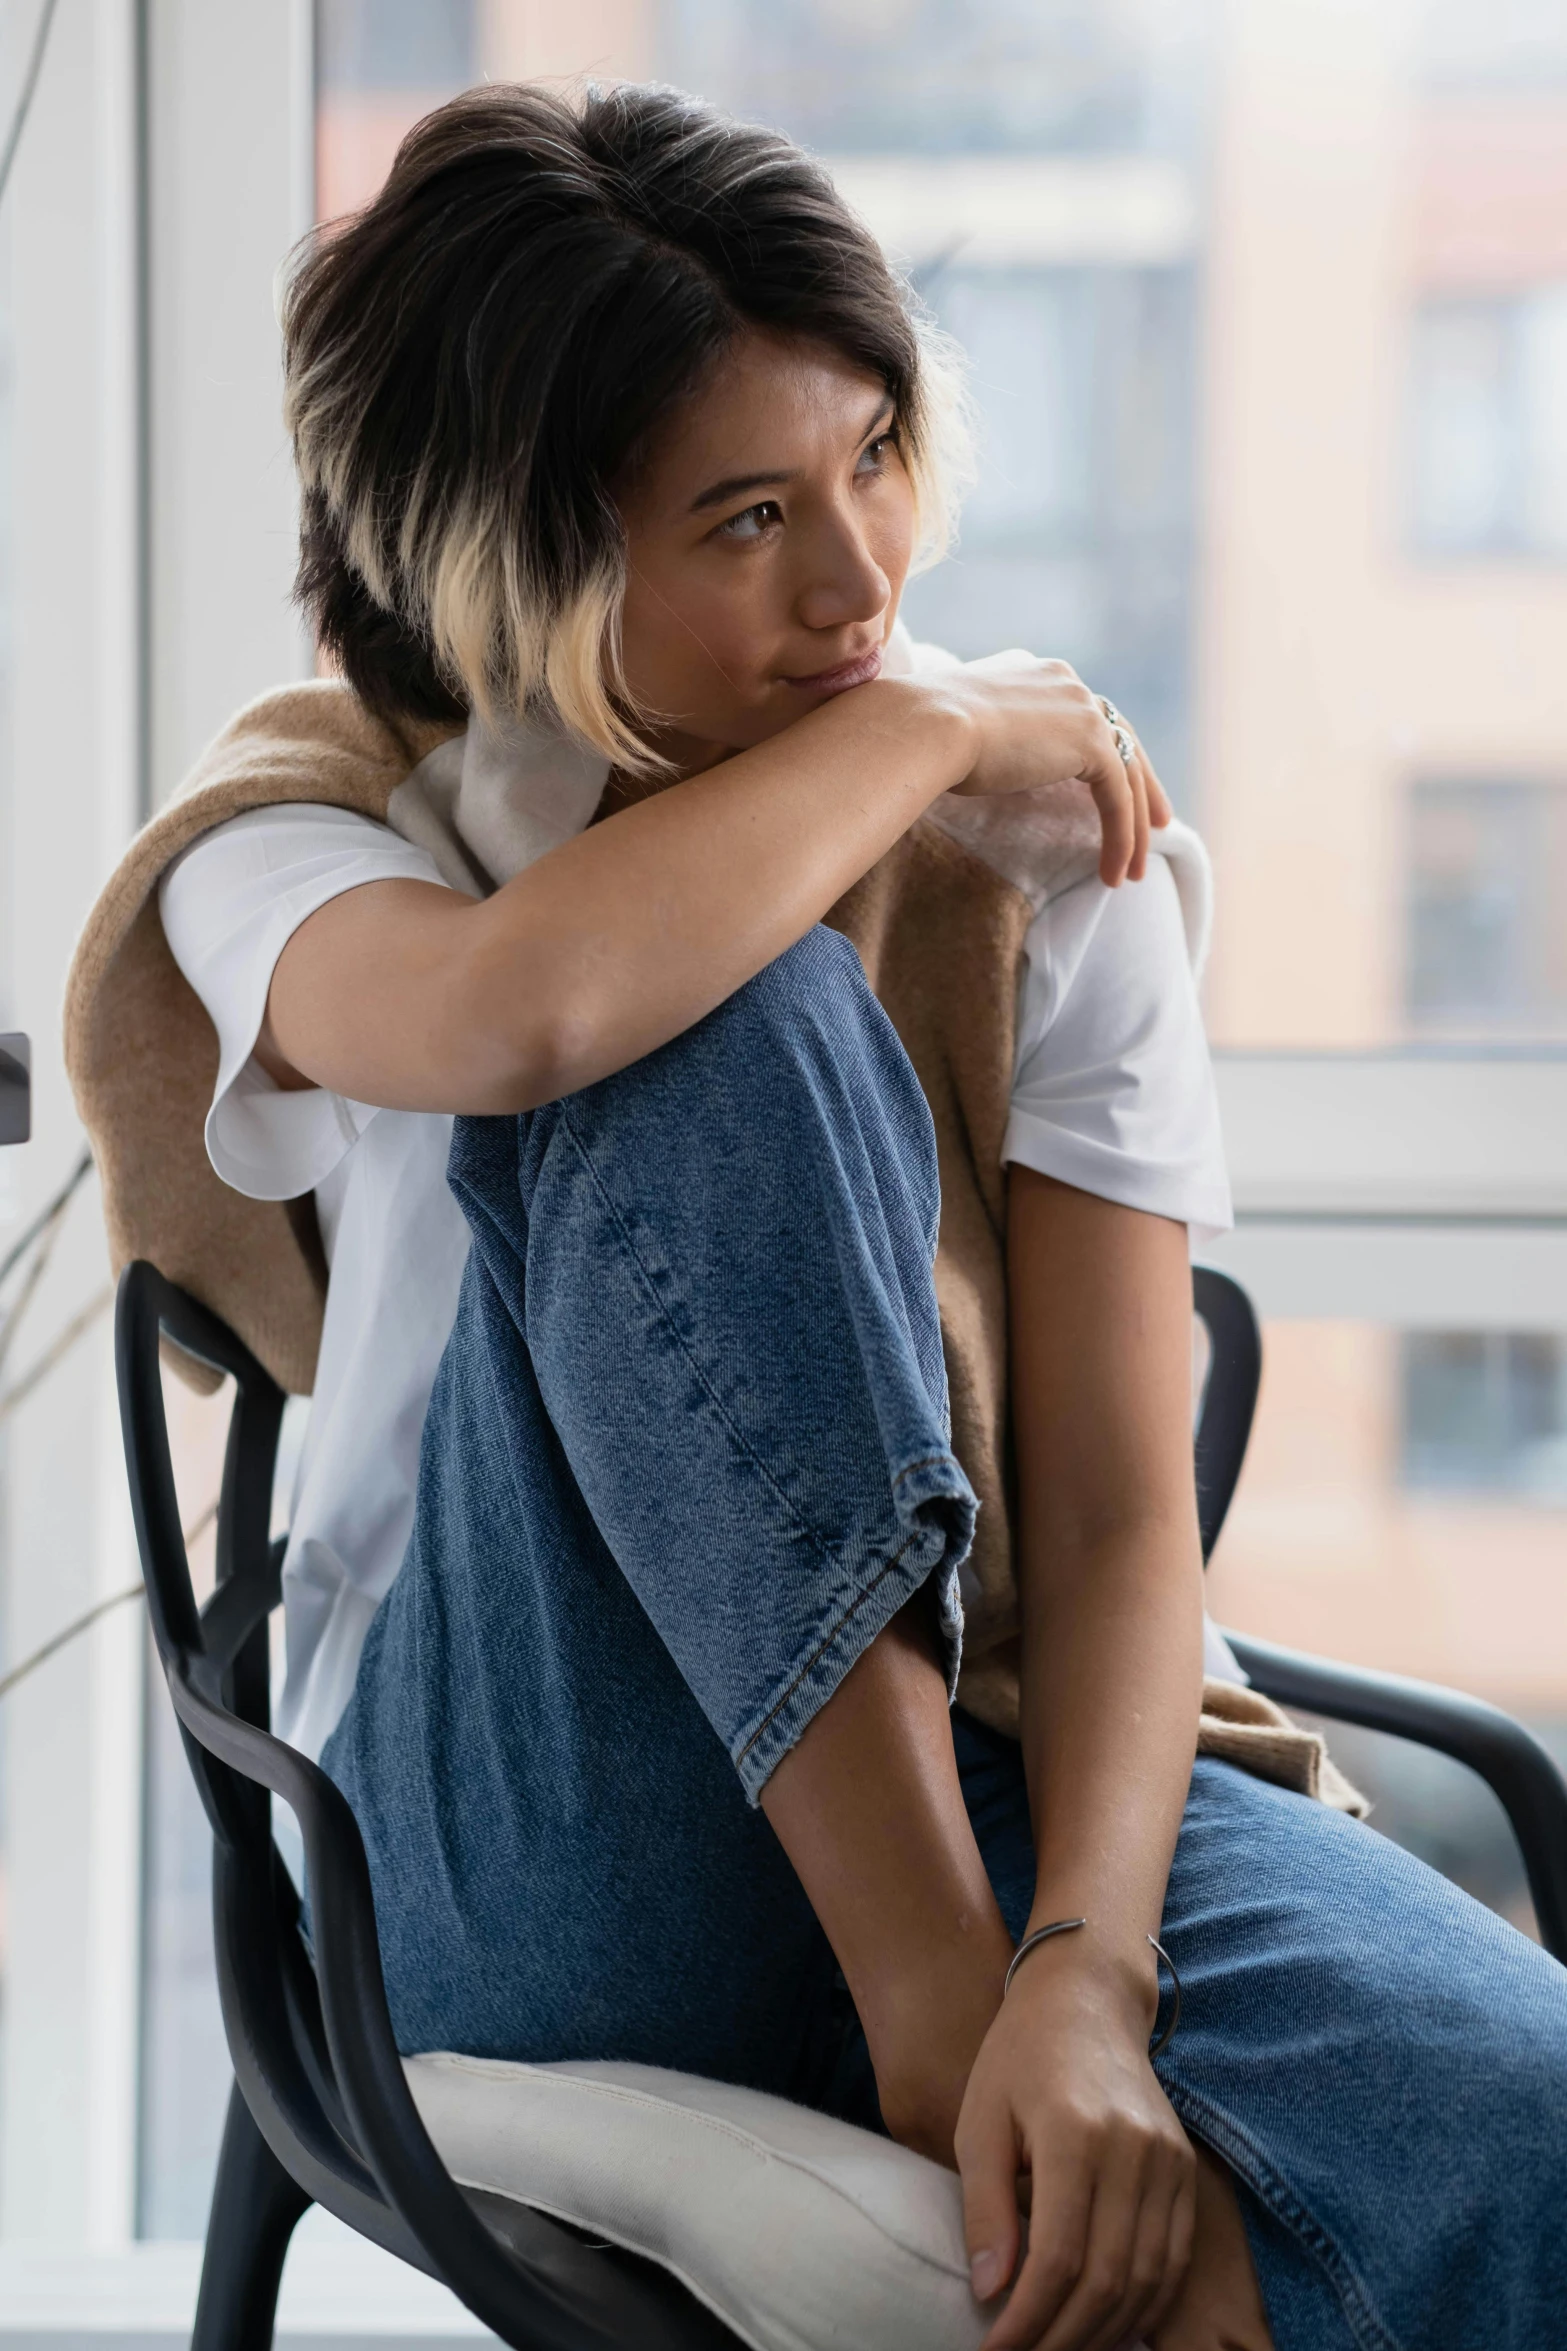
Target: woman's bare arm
1109, 1560
413, 997
1133, 2232
1110, 1577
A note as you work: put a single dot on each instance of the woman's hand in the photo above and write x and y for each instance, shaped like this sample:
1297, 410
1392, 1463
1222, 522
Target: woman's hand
1035, 722
1062, 2092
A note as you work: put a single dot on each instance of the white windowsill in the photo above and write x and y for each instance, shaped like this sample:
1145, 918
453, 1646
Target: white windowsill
1448, 1135
339, 2294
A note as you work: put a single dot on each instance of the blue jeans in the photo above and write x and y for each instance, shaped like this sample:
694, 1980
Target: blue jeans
686, 1454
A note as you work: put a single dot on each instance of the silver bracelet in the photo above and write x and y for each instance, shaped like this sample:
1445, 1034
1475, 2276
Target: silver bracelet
1064, 1926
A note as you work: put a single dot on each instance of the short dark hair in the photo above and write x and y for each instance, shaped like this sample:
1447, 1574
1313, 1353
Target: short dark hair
474, 360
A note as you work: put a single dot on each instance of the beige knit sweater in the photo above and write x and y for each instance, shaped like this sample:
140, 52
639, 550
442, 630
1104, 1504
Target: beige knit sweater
143, 1060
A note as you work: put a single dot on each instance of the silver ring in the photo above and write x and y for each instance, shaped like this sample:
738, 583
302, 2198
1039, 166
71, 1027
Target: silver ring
1125, 742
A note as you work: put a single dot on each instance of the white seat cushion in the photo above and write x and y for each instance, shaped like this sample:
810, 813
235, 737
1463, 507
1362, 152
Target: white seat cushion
802, 2233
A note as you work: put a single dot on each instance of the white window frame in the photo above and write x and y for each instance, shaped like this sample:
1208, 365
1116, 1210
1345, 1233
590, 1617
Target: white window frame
153, 543
1426, 1188
1421, 1189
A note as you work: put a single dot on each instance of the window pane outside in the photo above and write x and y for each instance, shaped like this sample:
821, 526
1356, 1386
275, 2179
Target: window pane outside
1485, 927
1404, 1506
1488, 397
1265, 307
1200, 450
1288, 481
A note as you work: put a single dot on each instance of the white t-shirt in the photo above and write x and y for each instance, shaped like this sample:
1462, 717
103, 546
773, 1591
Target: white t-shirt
1112, 1092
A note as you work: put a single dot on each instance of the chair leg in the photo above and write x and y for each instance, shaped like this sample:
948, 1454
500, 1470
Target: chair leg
255, 2205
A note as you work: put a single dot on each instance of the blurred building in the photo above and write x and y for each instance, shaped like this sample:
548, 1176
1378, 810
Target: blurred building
1266, 302
1266, 305
1382, 750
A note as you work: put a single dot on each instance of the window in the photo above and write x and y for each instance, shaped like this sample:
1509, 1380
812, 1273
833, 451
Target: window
1078, 535
1509, 42
1404, 1505
1486, 942
1288, 482
1485, 1412
937, 76
378, 68
1489, 436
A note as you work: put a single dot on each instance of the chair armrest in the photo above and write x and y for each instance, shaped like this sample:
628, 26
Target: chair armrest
1511, 1761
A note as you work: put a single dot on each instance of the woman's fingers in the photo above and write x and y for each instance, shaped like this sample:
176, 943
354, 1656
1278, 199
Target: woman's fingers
1136, 776
987, 2163
1122, 2261
1111, 785
1180, 2239
1058, 2233
1109, 2243
1155, 2266
1132, 805
1159, 809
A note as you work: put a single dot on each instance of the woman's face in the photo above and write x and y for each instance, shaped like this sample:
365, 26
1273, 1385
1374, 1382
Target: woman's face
768, 539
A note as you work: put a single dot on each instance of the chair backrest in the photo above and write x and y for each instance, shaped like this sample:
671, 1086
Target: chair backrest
1229, 1396
309, 2030
312, 2044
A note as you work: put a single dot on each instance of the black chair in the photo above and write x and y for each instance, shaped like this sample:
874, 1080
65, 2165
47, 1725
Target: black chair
321, 2111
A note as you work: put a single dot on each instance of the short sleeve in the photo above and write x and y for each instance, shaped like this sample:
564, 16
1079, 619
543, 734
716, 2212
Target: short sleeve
229, 905
1113, 1086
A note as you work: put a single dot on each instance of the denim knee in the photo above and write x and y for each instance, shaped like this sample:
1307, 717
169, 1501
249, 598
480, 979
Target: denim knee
803, 1051
720, 1263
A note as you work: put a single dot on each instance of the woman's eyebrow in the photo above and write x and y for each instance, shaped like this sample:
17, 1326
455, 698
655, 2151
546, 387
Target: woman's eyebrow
737, 483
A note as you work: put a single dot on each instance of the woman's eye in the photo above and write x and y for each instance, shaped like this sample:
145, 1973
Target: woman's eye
873, 458
754, 523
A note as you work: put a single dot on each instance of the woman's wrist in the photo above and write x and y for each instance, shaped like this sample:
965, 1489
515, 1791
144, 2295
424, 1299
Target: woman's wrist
936, 726
1112, 1969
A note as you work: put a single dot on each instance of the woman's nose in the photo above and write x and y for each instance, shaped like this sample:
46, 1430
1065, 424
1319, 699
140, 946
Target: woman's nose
843, 581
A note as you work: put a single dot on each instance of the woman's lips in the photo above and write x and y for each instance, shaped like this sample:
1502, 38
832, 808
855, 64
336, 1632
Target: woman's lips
858, 672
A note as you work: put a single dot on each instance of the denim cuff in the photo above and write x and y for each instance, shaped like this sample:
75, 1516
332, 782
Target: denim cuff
928, 1543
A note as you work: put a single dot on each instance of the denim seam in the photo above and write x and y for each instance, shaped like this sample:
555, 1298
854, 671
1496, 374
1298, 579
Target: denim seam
822, 1647
818, 1542
1247, 2159
912, 1469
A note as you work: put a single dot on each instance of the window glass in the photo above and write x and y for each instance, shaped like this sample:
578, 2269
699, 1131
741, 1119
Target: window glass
932, 76
1404, 1506
1485, 938
1504, 41
1268, 331
9, 1185
1078, 535
185, 2072
185, 2069
1266, 315
1490, 425
1485, 1412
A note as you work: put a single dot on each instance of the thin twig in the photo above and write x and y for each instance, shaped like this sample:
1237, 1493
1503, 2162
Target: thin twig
199, 1526
29, 85
57, 1641
45, 1217
80, 1624
22, 1388
38, 1266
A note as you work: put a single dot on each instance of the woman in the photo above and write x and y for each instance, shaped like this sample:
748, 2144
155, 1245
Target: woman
618, 443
